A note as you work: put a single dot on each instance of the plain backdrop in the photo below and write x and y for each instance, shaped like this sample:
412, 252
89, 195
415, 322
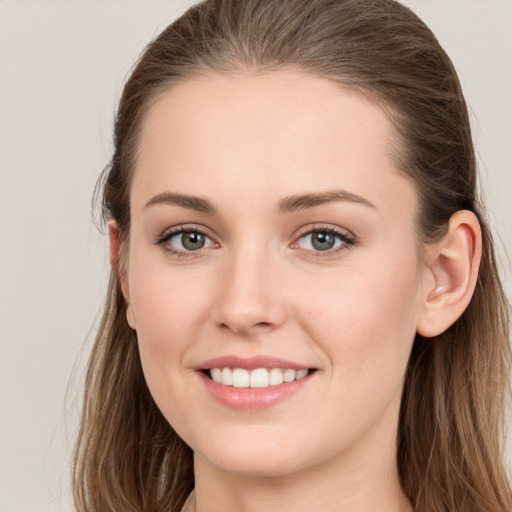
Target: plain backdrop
62, 66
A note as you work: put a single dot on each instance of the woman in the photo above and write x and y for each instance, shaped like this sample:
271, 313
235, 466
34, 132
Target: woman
304, 311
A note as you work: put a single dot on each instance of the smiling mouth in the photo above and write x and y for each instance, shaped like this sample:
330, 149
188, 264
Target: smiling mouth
257, 378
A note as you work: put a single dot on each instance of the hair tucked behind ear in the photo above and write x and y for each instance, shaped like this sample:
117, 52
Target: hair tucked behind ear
450, 437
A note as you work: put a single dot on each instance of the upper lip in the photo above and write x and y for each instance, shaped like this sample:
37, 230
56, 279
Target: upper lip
250, 363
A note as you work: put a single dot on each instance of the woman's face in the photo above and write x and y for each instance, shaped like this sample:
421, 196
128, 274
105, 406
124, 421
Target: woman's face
271, 231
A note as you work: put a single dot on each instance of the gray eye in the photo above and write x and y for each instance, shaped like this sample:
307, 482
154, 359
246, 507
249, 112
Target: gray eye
323, 241
320, 241
193, 241
189, 241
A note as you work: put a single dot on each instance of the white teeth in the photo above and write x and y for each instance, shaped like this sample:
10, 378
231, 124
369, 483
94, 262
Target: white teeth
227, 377
240, 378
289, 375
301, 374
258, 378
216, 374
275, 377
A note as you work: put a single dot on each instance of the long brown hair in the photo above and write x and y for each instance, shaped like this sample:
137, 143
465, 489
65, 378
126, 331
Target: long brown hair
450, 440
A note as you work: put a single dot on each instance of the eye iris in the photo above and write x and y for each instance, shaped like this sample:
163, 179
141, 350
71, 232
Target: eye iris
193, 241
323, 241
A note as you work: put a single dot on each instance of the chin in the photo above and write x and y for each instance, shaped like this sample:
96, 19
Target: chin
258, 467
253, 460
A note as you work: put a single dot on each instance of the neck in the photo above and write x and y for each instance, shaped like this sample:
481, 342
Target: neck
306, 494
362, 480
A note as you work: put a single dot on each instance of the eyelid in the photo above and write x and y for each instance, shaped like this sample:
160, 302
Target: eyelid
163, 239
330, 228
187, 227
346, 236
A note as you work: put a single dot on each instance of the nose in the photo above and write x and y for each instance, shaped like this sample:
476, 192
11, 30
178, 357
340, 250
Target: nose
251, 298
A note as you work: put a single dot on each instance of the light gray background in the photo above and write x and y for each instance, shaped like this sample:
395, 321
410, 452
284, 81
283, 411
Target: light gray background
62, 66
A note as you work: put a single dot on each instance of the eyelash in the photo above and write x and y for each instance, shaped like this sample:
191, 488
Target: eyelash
345, 237
178, 230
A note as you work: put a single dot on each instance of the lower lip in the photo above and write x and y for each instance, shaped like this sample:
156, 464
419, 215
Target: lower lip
254, 398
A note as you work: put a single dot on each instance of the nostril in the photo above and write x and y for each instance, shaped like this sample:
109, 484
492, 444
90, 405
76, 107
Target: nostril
241, 329
263, 324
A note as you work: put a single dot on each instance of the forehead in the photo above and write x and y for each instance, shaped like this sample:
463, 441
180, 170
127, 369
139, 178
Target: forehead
271, 132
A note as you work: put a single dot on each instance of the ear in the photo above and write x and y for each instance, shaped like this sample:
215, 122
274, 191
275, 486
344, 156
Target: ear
115, 261
451, 274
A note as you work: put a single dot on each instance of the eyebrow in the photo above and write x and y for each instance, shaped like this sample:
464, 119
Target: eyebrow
286, 205
199, 204
304, 201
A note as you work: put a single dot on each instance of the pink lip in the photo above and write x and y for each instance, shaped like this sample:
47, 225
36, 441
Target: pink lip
254, 398
250, 363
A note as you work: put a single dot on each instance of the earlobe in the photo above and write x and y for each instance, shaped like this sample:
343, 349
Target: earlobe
451, 274
118, 267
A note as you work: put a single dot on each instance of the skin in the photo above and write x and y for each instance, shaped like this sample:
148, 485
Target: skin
245, 142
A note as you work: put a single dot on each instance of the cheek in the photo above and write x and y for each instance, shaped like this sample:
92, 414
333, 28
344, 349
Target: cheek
166, 301
366, 319
168, 317
169, 310
365, 326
